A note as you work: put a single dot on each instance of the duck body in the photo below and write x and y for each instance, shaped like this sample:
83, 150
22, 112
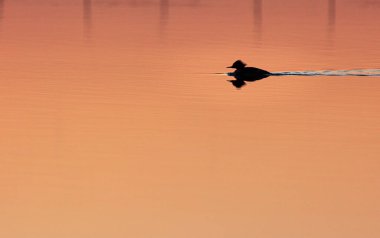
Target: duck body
244, 74
250, 74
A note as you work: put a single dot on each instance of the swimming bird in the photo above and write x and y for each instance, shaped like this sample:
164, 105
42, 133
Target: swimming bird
244, 74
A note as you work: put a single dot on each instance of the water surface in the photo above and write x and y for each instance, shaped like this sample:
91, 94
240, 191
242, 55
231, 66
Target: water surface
114, 124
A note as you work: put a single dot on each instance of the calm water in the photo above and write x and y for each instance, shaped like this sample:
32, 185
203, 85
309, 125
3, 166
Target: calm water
114, 124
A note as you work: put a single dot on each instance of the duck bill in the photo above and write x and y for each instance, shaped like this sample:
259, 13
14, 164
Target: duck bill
229, 67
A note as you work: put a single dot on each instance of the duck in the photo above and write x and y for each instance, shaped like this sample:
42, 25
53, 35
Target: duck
244, 74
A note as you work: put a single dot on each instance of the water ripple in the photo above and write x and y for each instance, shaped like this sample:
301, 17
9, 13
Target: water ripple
350, 72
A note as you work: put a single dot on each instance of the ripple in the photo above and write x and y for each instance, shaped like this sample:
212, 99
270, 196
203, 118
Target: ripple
350, 72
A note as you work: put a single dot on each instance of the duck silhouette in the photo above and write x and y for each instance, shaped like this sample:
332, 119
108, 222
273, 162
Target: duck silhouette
244, 74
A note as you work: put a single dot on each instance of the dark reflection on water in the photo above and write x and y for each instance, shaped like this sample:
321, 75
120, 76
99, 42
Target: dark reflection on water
332, 13
1, 9
87, 18
331, 20
258, 18
135, 3
1, 13
164, 15
164, 7
370, 3
331, 17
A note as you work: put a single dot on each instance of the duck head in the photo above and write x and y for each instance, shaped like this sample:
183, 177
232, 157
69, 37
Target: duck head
238, 64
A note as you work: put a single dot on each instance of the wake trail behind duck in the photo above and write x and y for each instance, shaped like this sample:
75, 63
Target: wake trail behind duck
351, 72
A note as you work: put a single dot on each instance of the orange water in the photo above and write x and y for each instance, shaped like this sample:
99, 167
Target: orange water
113, 125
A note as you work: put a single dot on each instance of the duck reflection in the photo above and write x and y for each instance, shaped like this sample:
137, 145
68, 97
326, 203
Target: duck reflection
245, 74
